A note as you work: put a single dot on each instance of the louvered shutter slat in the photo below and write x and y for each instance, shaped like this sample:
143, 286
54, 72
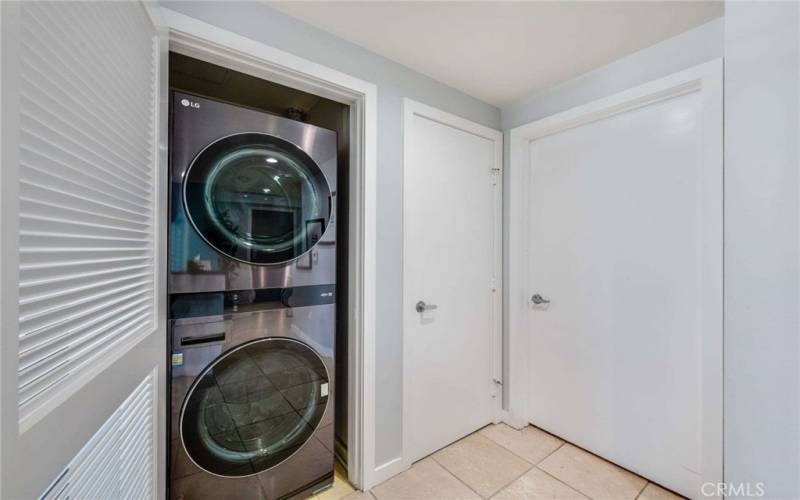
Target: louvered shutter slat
75, 170
117, 462
58, 196
42, 209
87, 221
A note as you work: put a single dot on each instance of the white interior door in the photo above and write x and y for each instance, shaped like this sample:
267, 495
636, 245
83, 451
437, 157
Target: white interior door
625, 225
451, 264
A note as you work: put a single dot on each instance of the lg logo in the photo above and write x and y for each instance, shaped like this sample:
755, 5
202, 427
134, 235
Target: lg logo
189, 104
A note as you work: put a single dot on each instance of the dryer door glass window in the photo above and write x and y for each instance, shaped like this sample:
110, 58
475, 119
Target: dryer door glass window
257, 198
254, 407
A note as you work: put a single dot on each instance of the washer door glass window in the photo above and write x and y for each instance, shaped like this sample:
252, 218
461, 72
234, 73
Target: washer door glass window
257, 198
254, 407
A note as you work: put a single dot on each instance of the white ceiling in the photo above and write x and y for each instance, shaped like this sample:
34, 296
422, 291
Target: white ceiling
502, 51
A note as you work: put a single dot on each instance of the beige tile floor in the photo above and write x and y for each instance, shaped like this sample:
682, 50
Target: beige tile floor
503, 463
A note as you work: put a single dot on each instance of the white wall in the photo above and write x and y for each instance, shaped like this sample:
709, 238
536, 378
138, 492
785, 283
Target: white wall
394, 82
762, 278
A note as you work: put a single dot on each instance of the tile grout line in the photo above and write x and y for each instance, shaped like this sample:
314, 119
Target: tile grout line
501, 445
551, 453
454, 475
564, 442
564, 483
536, 466
533, 466
579, 447
520, 456
557, 479
573, 488
642, 490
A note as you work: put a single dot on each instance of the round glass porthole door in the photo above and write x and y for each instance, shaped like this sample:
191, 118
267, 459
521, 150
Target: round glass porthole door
254, 407
257, 198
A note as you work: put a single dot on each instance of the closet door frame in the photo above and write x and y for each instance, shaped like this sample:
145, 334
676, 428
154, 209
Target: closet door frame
203, 41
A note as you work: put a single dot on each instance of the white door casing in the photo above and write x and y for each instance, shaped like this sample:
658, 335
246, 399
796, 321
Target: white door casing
451, 260
210, 43
604, 330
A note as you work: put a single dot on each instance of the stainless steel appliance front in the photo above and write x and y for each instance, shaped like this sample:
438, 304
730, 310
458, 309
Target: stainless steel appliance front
252, 384
252, 199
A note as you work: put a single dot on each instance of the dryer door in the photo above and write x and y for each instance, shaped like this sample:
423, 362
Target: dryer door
254, 407
257, 198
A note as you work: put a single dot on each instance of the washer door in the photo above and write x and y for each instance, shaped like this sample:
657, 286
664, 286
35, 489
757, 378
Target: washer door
254, 407
257, 198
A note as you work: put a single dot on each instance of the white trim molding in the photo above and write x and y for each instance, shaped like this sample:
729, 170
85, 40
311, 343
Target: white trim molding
706, 79
87, 188
411, 109
204, 41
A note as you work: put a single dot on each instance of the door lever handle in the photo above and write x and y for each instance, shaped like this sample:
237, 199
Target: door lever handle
538, 299
422, 306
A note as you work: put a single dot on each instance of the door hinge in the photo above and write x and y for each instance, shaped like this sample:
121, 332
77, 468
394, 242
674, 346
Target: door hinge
495, 173
498, 384
493, 284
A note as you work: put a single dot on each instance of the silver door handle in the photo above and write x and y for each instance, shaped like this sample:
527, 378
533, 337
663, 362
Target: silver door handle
422, 306
538, 299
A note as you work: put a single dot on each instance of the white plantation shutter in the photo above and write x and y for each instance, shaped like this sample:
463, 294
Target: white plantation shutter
87, 197
117, 462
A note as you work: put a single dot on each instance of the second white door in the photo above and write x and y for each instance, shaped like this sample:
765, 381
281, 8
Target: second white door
626, 243
451, 259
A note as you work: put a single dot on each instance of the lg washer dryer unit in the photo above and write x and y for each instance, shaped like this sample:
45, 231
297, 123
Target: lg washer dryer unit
252, 199
252, 394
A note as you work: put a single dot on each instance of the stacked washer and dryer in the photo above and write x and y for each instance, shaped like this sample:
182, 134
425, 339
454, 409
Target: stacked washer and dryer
252, 303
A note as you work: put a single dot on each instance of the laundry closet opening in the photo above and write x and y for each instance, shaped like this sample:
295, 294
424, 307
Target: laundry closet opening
259, 173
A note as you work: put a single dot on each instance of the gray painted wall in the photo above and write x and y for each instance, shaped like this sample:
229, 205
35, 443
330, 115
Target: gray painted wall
688, 49
762, 251
394, 82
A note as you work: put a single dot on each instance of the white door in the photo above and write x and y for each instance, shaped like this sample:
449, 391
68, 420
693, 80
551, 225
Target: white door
451, 264
625, 224
82, 251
